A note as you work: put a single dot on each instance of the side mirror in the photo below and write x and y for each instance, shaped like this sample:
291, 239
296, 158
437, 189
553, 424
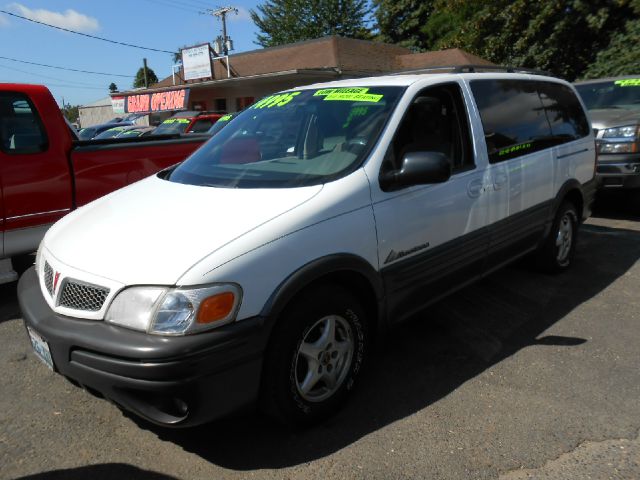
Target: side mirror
418, 168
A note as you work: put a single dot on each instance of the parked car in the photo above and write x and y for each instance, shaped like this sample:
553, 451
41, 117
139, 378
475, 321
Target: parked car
89, 133
128, 131
188, 122
137, 131
614, 108
260, 270
221, 123
45, 171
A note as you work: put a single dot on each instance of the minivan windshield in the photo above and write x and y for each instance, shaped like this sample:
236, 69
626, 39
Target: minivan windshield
623, 93
292, 139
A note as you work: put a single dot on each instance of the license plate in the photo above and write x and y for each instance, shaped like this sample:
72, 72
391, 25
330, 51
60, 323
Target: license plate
41, 347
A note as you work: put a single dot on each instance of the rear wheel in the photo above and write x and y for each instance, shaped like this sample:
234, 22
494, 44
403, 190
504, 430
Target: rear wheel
557, 252
316, 353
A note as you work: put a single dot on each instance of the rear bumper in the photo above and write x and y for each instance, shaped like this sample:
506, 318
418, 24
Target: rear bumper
615, 171
171, 381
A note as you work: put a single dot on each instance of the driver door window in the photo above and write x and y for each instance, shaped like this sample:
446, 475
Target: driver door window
436, 121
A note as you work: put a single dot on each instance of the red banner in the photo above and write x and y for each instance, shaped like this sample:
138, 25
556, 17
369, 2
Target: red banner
158, 102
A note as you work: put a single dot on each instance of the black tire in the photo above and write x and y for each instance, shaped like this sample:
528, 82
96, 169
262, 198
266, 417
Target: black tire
555, 255
285, 365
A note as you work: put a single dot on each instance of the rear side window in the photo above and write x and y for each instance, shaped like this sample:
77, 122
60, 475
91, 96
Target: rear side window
521, 117
566, 116
21, 130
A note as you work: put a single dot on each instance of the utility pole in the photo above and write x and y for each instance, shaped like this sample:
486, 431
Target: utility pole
224, 43
144, 69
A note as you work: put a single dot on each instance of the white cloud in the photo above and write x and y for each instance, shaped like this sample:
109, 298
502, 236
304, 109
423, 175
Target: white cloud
69, 19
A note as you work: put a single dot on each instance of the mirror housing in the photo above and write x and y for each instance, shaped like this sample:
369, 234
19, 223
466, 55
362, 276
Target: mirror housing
418, 168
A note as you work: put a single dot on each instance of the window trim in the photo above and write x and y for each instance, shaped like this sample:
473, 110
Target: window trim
525, 152
470, 142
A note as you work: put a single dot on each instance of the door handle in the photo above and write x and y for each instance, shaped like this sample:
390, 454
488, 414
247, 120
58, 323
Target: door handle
499, 181
475, 188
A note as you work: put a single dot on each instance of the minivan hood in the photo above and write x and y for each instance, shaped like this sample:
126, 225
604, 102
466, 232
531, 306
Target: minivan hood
613, 117
153, 231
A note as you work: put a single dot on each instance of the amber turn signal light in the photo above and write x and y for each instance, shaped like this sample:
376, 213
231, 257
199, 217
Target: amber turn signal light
216, 307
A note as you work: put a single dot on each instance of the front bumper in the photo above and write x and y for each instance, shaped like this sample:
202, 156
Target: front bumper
171, 381
618, 171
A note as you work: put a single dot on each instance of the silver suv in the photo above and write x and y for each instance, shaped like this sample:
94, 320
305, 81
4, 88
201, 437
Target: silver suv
614, 108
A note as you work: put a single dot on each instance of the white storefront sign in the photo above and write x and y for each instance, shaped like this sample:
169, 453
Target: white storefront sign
118, 104
196, 62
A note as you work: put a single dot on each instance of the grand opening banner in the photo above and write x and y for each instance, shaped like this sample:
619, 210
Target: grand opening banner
158, 102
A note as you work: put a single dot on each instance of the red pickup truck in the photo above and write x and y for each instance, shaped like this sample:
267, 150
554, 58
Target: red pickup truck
45, 171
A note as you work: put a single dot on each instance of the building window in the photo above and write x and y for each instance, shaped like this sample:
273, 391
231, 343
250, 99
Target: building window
220, 104
243, 102
199, 106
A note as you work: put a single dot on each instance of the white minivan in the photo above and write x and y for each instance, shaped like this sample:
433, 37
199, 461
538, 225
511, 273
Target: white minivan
261, 269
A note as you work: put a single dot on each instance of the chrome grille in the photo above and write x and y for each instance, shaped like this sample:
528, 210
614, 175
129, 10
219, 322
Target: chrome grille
48, 277
82, 296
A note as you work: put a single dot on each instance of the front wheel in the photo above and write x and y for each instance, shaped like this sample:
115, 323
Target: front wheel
316, 353
557, 252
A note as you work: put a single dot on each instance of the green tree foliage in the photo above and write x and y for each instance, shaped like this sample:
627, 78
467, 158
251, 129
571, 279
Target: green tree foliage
288, 21
113, 87
139, 80
71, 112
402, 22
621, 56
561, 36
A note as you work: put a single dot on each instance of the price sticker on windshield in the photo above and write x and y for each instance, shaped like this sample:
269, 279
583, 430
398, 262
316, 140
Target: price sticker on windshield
629, 82
279, 100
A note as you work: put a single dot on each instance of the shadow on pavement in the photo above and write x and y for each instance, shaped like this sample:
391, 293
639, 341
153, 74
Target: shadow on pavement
429, 357
617, 205
105, 471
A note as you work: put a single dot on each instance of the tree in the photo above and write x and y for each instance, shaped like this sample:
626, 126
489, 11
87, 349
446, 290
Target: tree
621, 56
401, 21
113, 88
139, 80
561, 36
288, 21
71, 112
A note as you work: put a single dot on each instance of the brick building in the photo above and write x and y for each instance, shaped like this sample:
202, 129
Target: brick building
260, 72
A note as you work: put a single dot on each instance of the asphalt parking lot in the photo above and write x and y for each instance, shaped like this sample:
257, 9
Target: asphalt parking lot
520, 376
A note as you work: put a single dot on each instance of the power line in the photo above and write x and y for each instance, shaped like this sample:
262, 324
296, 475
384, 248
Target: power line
175, 5
79, 84
66, 68
86, 34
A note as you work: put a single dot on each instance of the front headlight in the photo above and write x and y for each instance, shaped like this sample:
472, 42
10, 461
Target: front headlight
175, 311
626, 132
619, 140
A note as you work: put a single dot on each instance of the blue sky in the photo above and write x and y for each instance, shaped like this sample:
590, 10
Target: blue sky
161, 24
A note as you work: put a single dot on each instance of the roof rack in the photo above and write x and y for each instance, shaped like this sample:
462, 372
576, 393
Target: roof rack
474, 69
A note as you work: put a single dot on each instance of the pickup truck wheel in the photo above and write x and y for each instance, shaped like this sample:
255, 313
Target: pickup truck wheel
315, 355
556, 254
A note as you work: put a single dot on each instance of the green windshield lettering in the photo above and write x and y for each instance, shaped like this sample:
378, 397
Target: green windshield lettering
279, 100
176, 120
353, 97
514, 149
226, 118
629, 82
329, 91
355, 112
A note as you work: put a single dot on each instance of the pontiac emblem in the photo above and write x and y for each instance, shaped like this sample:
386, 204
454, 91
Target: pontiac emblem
55, 280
